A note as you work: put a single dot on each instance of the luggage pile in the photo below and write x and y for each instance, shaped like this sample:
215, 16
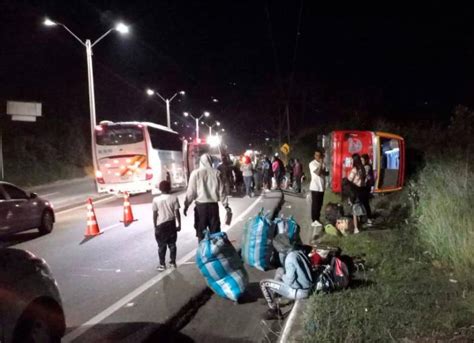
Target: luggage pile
257, 237
221, 266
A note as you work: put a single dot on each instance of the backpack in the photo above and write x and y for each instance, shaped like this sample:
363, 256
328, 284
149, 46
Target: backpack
333, 277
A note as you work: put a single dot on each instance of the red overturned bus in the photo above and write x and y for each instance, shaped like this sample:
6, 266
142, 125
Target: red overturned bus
386, 151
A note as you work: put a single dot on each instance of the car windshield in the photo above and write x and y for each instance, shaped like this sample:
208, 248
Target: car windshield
119, 135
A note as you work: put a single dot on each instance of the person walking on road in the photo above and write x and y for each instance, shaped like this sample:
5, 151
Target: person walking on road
317, 186
247, 172
293, 281
297, 175
267, 174
278, 169
225, 170
167, 222
207, 189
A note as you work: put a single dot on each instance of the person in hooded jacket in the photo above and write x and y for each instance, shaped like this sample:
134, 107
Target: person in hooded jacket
293, 281
206, 188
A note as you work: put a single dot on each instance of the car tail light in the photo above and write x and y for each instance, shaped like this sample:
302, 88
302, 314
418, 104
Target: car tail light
149, 173
99, 177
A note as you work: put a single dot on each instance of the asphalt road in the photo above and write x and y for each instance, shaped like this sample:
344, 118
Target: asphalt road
93, 274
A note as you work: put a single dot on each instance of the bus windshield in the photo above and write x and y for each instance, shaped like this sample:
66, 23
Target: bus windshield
119, 135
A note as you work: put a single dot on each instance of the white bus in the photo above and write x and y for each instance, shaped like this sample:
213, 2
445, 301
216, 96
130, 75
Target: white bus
135, 156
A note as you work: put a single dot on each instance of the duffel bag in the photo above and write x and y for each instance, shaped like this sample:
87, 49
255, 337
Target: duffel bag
256, 243
220, 264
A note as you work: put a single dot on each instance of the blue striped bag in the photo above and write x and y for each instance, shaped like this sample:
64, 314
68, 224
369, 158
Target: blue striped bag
289, 227
220, 264
257, 239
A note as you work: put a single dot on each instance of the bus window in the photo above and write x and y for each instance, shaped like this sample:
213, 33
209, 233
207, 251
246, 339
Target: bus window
119, 135
389, 163
164, 140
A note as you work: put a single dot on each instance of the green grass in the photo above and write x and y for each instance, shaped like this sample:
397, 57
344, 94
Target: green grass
445, 212
404, 292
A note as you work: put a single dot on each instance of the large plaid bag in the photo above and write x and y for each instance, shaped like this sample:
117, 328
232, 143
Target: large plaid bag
220, 264
257, 239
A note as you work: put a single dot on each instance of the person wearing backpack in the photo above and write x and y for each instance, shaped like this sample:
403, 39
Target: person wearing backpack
292, 281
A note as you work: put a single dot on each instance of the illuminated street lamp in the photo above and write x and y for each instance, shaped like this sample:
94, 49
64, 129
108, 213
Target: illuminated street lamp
152, 92
205, 114
211, 126
119, 27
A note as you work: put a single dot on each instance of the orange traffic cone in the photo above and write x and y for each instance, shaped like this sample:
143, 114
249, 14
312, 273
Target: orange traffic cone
127, 210
92, 225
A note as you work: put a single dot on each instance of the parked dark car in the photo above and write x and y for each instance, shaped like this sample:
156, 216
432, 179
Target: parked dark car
21, 210
30, 303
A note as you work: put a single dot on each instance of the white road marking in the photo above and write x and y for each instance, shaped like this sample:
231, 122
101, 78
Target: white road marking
48, 194
139, 290
83, 206
289, 323
111, 227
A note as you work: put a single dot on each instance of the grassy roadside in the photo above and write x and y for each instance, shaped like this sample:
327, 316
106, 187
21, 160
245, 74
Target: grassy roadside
404, 293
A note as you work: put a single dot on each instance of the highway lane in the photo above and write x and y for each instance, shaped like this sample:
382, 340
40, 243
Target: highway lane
93, 274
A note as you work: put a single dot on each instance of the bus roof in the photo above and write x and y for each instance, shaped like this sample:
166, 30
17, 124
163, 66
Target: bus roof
148, 124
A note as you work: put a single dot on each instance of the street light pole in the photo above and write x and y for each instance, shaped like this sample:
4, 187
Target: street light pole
120, 27
90, 79
205, 114
151, 92
197, 128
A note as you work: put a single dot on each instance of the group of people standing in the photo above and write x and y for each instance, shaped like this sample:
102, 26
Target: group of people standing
359, 186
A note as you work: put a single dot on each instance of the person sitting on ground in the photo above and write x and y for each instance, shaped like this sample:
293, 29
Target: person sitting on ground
293, 281
167, 222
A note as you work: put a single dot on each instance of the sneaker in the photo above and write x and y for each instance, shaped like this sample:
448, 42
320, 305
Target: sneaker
272, 315
356, 230
161, 268
173, 265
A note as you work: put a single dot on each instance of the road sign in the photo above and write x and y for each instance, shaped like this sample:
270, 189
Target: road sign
24, 111
285, 148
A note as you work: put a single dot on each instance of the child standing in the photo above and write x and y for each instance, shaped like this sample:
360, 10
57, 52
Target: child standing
167, 222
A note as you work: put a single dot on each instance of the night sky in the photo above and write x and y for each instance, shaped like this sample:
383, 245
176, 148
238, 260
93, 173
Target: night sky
399, 64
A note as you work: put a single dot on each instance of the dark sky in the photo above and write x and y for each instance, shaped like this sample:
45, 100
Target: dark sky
396, 63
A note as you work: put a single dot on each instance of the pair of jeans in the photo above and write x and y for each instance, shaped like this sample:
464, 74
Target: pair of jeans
248, 185
316, 204
206, 218
166, 236
270, 287
297, 183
